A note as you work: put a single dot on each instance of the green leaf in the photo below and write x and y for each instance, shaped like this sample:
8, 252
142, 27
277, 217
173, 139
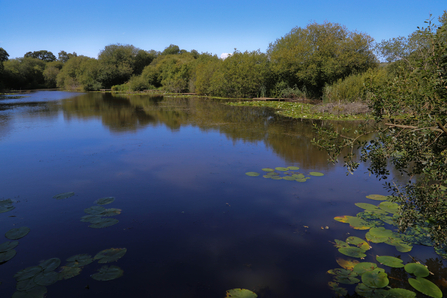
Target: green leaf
363, 267
282, 169
426, 287
316, 174
377, 197
63, 195
390, 207
354, 252
104, 223
67, 272
110, 255
390, 261
376, 278
46, 278
105, 201
240, 293
17, 233
7, 255
252, 174
79, 260
400, 293
292, 168
94, 210
36, 292
268, 170
28, 273
417, 269
110, 212
50, 264
360, 243
106, 273
8, 245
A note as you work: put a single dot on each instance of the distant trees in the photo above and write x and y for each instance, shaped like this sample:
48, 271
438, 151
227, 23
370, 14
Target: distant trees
42, 55
64, 56
320, 54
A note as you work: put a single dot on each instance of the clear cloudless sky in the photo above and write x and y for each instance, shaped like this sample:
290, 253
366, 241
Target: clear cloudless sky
87, 26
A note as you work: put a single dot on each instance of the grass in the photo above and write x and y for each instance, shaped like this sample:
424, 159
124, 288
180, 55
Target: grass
345, 112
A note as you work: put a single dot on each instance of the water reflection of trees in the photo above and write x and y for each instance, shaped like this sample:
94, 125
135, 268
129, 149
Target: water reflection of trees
289, 138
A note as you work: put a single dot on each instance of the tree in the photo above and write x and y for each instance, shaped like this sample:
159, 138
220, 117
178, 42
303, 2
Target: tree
171, 50
3, 55
24, 73
50, 73
411, 133
64, 56
42, 55
320, 54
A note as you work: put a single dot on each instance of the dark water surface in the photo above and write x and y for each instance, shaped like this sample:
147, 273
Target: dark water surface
193, 223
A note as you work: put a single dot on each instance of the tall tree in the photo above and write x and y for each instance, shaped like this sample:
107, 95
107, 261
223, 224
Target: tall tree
64, 56
42, 55
320, 54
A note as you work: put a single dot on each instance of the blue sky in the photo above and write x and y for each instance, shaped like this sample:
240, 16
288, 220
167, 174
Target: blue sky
86, 27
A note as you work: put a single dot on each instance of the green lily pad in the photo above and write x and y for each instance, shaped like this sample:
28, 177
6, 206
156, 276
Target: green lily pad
272, 174
360, 243
347, 280
301, 180
91, 218
63, 195
7, 255
354, 252
347, 264
94, 210
359, 224
46, 278
425, 286
366, 206
363, 267
399, 244
28, 273
276, 178
400, 293
375, 239
282, 169
368, 292
390, 207
377, 197
79, 260
340, 244
110, 255
298, 176
105, 201
417, 269
17, 233
339, 291
342, 272
316, 174
25, 285
6, 205
390, 261
290, 178
36, 292
376, 278
8, 245
268, 170
380, 232
252, 174
67, 272
108, 273
240, 293
292, 168
104, 223
50, 264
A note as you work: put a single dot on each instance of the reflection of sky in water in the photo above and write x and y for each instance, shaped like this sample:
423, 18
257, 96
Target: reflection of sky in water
193, 223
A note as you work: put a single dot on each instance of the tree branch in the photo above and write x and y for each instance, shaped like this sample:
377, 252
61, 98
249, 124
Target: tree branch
415, 127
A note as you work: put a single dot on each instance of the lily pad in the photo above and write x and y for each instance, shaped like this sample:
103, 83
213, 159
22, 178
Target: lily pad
417, 269
299, 176
316, 174
390, 261
105, 201
272, 174
110, 255
67, 272
63, 195
8, 245
17, 233
354, 252
290, 178
79, 260
340, 244
282, 169
91, 218
426, 287
360, 243
399, 244
104, 223
400, 293
363, 267
36, 292
252, 174
106, 273
7, 255
25, 285
46, 278
390, 207
380, 232
339, 291
111, 212
359, 224
240, 293
28, 273
276, 178
366, 206
268, 170
6, 205
375, 239
301, 180
347, 264
376, 278
94, 210
368, 292
377, 197
50, 264
292, 168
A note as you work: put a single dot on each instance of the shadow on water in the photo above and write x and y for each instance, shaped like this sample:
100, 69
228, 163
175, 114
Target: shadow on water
193, 224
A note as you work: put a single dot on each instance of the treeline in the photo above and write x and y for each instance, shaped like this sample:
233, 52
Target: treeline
319, 61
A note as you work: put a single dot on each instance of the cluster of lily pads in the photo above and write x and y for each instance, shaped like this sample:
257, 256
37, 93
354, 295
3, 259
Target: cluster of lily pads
282, 173
32, 281
7, 251
98, 216
371, 280
6, 205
